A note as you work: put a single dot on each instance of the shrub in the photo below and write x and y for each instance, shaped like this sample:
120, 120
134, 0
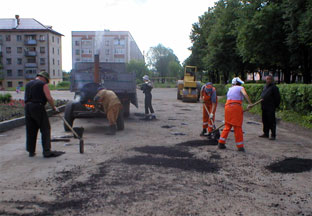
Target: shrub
64, 84
221, 89
5, 98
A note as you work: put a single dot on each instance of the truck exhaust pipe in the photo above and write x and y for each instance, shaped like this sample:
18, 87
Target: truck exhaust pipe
96, 68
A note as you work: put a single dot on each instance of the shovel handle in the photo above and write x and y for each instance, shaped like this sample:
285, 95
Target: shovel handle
67, 124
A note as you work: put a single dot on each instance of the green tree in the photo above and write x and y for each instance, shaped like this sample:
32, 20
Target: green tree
139, 68
159, 58
175, 69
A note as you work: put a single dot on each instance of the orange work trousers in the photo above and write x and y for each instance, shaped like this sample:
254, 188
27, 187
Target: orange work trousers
233, 118
112, 114
207, 123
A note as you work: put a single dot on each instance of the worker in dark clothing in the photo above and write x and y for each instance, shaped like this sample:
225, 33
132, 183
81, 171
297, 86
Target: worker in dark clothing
146, 87
271, 100
37, 94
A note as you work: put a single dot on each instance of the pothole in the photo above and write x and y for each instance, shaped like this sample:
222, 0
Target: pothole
291, 165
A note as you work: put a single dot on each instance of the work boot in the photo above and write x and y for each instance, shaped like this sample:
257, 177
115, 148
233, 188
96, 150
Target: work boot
49, 154
111, 130
264, 136
203, 132
153, 117
221, 146
272, 138
32, 154
241, 149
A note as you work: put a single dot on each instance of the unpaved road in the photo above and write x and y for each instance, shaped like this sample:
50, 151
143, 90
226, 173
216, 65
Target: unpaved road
157, 168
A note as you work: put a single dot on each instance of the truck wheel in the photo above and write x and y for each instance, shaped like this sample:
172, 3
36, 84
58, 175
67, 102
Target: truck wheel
68, 115
120, 121
126, 109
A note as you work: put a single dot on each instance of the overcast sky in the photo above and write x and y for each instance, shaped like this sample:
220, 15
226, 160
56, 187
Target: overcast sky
150, 22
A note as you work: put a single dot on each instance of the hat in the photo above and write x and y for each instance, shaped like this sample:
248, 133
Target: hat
237, 80
44, 75
208, 87
145, 77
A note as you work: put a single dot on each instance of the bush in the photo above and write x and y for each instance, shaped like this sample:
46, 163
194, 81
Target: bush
5, 98
64, 84
221, 89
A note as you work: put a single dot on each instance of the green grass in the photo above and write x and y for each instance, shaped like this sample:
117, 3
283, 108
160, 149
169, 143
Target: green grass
286, 115
165, 85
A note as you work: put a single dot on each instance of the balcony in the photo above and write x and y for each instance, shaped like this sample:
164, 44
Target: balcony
31, 65
30, 75
30, 53
30, 42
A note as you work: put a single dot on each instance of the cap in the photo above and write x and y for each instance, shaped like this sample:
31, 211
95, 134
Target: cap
45, 75
237, 80
145, 77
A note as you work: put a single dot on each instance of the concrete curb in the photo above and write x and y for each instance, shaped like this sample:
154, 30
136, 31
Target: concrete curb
13, 123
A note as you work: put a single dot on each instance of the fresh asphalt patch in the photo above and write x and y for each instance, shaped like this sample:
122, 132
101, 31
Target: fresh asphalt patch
163, 150
291, 165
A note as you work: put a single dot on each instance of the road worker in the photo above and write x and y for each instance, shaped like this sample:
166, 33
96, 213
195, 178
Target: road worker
37, 94
209, 97
111, 105
147, 87
234, 114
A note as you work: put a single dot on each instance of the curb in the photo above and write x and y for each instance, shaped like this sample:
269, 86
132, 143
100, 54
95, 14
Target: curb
13, 123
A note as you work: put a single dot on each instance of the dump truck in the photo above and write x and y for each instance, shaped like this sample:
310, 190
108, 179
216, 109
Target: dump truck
188, 89
86, 79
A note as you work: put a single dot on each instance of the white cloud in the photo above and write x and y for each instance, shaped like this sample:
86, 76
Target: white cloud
149, 21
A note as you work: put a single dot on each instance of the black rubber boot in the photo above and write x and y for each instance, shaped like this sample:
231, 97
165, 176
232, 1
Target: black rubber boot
203, 132
49, 154
221, 146
32, 154
111, 130
264, 136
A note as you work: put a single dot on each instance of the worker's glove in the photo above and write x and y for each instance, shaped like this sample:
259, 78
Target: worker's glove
211, 115
56, 109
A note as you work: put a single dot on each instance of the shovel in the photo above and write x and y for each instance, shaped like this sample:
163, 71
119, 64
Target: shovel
217, 129
81, 142
215, 133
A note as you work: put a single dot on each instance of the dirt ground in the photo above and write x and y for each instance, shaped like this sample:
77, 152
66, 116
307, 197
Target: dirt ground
159, 167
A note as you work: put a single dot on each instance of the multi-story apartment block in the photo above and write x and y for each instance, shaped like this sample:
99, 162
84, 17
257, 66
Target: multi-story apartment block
112, 46
26, 48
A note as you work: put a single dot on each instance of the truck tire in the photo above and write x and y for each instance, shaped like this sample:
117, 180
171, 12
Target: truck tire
126, 108
68, 115
120, 121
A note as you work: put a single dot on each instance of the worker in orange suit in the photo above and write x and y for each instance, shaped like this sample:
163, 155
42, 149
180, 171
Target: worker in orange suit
234, 114
209, 97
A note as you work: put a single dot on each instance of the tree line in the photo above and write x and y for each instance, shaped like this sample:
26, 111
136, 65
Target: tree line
236, 37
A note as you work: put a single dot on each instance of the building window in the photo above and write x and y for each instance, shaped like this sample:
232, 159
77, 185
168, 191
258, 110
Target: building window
58, 51
9, 61
52, 39
8, 37
53, 61
10, 84
58, 62
42, 49
107, 52
42, 61
19, 61
20, 84
58, 40
9, 73
8, 50
31, 60
77, 43
77, 52
107, 43
41, 38
87, 43
58, 72
18, 37
86, 51
19, 49
53, 72
20, 72
53, 50
77, 59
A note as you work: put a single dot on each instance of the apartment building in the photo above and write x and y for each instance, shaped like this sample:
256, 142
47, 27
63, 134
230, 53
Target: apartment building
112, 46
26, 48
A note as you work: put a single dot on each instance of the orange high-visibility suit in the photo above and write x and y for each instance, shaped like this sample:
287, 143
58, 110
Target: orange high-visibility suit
209, 96
233, 116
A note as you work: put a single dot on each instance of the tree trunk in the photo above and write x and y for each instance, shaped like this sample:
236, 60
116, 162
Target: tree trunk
306, 66
286, 72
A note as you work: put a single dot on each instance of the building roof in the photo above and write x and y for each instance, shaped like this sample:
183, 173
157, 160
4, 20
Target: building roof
25, 24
